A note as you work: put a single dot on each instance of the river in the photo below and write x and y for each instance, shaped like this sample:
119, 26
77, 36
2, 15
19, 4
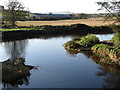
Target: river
54, 66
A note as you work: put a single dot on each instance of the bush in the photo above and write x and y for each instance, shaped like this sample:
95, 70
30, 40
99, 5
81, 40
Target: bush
89, 40
108, 51
82, 44
115, 28
116, 39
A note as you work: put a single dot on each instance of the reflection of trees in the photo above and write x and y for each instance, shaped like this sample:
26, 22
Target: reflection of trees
16, 49
110, 73
15, 74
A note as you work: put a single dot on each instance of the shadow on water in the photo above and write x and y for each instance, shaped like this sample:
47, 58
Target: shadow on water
46, 36
48, 30
14, 70
110, 73
15, 74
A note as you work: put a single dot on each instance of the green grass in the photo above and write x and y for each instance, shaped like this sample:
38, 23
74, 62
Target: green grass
83, 43
24, 29
74, 27
116, 39
88, 40
108, 51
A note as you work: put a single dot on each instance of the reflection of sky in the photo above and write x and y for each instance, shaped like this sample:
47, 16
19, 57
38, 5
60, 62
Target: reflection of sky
3, 55
57, 69
105, 37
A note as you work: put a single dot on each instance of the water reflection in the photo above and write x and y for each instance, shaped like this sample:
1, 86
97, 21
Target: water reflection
71, 53
15, 74
14, 70
50, 54
16, 49
110, 73
111, 76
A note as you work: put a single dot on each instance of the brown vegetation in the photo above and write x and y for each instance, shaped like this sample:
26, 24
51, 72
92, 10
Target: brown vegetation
90, 22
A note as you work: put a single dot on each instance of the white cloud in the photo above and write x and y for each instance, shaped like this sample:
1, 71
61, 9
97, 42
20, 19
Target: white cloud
75, 6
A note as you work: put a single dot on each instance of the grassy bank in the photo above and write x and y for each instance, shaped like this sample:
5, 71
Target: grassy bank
110, 53
25, 32
78, 27
74, 27
107, 51
82, 44
116, 39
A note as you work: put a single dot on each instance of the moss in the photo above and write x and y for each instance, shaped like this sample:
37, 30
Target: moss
82, 44
89, 40
113, 53
116, 39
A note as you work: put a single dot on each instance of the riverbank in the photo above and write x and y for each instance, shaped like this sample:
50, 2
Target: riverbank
24, 32
108, 51
36, 31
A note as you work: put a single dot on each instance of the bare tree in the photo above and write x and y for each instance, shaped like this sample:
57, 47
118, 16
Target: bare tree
14, 12
112, 7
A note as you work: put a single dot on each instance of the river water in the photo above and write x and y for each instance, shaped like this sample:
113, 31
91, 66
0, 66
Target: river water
54, 66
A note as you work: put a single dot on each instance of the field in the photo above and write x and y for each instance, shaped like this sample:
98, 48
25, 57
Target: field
90, 22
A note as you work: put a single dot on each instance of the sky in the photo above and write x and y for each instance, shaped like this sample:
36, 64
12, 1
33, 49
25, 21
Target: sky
59, 6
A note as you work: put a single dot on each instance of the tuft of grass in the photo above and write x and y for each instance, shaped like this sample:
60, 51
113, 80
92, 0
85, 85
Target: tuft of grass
108, 51
83, 43
116, 39
89, 40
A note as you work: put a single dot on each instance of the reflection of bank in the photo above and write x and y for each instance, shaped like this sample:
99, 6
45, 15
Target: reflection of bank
14, 70
15, 74
110, 73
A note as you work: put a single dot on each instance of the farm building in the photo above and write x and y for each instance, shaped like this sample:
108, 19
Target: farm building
37, 16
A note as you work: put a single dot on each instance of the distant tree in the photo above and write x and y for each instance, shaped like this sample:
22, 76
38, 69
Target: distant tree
14, 12
112, 7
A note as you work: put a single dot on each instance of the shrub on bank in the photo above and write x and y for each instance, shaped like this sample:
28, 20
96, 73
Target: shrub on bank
83, 44
89, 40
116, 39
115, 28
108, 51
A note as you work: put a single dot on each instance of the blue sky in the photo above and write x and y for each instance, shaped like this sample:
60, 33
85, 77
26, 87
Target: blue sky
55, 6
